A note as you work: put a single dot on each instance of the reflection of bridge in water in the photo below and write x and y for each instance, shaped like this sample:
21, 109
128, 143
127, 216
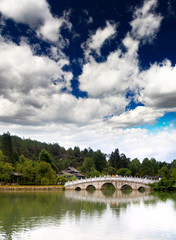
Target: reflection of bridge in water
116, 197
118, 182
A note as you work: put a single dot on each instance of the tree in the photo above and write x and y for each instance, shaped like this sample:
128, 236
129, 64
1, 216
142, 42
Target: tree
88, 164
63, 179
2, 157
124, 172
44, 171
5, 171
173, 174
93, 173
7, 147
173, 164
111, 171
163, 185
114, 160
45, 156
124, 161
28, 169
135, 166
164, 172
146, 168
99, 160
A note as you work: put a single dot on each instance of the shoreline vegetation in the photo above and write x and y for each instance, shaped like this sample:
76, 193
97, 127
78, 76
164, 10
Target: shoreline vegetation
35, 164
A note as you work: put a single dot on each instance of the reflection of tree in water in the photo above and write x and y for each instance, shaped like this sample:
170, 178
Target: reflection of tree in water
164, 196
20, 211
117, 207
108, 193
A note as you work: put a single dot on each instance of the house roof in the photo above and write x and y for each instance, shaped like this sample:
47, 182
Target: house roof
17, 174
65, 172
72, 169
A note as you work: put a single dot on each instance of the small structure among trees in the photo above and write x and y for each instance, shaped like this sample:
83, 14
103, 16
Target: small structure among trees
71, 172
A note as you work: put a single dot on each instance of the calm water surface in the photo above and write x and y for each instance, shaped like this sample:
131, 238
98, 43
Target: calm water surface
83, 215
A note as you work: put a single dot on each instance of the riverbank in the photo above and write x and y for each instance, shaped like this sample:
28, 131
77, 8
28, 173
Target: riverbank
31, 188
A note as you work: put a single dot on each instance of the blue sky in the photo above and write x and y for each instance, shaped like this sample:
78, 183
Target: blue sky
90, 73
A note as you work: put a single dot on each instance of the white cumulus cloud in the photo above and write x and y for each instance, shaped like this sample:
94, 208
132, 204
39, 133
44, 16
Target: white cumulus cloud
96, 41
37, 15
146, 23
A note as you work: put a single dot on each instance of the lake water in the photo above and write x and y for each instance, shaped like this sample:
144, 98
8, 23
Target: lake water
73, 215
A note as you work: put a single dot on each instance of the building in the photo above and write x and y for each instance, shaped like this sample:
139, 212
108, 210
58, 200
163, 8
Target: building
71, 172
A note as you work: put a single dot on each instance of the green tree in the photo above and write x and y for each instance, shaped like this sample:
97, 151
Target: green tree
88, 164
124, 161
114, 160
7, 147
173, 164
28, 169
99, 160
164, 172
146, 168
93, 173
2, 157
5, 171
163, 185
173, 174
45, 156
44, 170
124, 172
111, 171
134, 167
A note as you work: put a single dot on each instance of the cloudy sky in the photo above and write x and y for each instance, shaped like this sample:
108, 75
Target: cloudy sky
98, 73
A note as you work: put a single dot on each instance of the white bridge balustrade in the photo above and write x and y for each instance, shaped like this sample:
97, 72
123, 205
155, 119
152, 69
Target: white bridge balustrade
118, 182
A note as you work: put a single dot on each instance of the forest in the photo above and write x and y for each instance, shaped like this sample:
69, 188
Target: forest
39, 163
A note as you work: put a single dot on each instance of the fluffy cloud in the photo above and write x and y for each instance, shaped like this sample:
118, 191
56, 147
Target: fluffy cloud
145, 24
25, 78
137, 117
114, 76
96, 41
35, 97
159, 86
21, 69
119, 73
37, 15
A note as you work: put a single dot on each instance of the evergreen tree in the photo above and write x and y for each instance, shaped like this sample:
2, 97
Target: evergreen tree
114, 160
7, 147
99, 160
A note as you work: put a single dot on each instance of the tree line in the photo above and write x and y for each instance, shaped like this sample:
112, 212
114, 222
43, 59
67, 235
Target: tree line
40, 162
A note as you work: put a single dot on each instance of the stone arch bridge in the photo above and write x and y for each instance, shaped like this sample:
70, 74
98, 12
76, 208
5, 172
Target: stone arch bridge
118, 182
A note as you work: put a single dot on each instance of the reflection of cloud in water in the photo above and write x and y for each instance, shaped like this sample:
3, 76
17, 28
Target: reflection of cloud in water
99, 196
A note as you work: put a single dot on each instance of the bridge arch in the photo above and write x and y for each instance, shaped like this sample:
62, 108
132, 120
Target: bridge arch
127, 186
108, 185
141, 189
90, 187
77, 188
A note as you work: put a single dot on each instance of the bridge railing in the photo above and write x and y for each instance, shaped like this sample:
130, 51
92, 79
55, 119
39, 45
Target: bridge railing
109, 178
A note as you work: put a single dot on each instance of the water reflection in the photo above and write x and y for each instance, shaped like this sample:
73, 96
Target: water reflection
105, 196
35, 212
